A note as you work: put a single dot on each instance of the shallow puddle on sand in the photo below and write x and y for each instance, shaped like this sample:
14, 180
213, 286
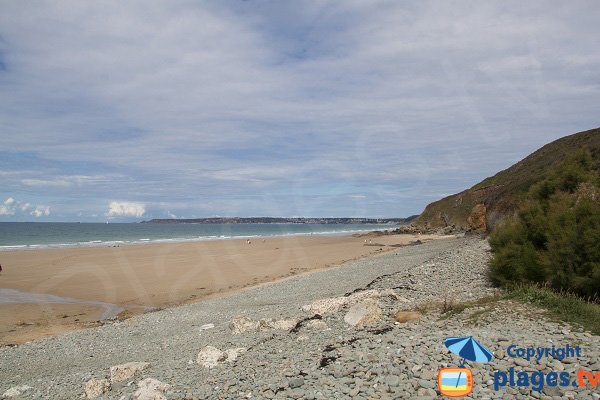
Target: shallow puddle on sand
14, 296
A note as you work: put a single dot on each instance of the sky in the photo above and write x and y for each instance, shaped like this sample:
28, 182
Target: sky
127, 111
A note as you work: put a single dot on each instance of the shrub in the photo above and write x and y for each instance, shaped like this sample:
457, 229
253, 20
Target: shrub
555, 238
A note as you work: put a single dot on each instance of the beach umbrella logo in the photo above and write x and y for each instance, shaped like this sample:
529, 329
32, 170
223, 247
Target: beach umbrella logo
458, 382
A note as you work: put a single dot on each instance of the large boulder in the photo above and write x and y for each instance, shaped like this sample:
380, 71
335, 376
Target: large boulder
126, 371
335, 304
241, 325
209, 357
96, 388
366, 313
151, 389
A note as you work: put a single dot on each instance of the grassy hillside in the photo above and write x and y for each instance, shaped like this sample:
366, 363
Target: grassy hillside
483, 206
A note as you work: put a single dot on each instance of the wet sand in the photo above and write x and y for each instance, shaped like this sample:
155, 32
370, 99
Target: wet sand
137, 277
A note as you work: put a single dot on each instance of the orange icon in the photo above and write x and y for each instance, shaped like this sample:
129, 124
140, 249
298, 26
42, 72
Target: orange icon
455, 382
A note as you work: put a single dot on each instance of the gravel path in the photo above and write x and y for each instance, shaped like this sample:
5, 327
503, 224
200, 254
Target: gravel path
283, 351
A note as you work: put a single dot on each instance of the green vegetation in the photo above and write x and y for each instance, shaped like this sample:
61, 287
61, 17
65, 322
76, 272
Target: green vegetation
554, 240
564, 305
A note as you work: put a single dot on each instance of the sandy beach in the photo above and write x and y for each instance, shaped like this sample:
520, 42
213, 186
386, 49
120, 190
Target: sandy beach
137, 277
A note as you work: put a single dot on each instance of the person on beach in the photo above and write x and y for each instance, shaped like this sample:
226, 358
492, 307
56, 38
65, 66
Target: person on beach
0, 268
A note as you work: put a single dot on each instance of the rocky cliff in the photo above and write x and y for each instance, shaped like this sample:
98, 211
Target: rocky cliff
480, 208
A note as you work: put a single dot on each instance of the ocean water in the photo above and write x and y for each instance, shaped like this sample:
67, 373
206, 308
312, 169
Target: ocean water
24, 235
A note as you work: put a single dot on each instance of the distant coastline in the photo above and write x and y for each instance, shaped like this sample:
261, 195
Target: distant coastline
281, 220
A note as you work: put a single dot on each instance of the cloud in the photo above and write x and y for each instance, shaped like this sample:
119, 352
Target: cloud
40, 211
8, 208
284, 107
11, 207
125, 209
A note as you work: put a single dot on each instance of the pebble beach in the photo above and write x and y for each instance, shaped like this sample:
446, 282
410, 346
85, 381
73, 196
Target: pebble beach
368, 329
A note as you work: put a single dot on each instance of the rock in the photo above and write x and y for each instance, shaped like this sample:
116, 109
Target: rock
209, 357
477, 221
325, 306
296, 382
151, 389
363, 314
242, 324
233, 354
296, 393
406, 316
96, 387
317, 325
125, 371
16, 391
392, 380
335, 304
427, 392
282, 324
207, 326
392, 293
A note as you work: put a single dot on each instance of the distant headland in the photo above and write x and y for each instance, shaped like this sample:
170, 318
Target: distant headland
281, 220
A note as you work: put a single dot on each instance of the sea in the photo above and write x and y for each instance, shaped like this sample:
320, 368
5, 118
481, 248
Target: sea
32, 235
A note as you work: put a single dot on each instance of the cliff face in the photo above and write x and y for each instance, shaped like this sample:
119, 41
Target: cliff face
481, 207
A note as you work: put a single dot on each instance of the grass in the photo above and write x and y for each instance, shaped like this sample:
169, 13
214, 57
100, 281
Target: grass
565, 306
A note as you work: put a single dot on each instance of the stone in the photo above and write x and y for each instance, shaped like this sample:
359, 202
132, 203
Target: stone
296, 382
242, 324
296, 393
282, 324
477, 220
426, 392
233, 354
406, 316
96, 387
16, 391
365, 313
209, 357
317, 325
126, 371
325, 306
207, 326
151, 389
335, 304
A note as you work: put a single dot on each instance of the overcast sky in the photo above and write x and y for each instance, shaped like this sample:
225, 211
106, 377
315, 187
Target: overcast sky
146, 109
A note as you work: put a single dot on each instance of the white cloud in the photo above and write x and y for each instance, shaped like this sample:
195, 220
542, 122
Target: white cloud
7, 208
40, 211
10, 206
125, 209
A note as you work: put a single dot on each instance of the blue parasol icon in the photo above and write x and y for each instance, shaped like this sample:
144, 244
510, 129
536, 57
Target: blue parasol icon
468, 348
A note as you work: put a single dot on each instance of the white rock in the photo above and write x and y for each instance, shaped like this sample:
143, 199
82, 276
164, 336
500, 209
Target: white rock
150, 389
207, 326
334, 304
325, 306
317, 325
125, 371
16, 391
233, 354
242, 324
282, 324
209, 357
96, 387
366, 313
